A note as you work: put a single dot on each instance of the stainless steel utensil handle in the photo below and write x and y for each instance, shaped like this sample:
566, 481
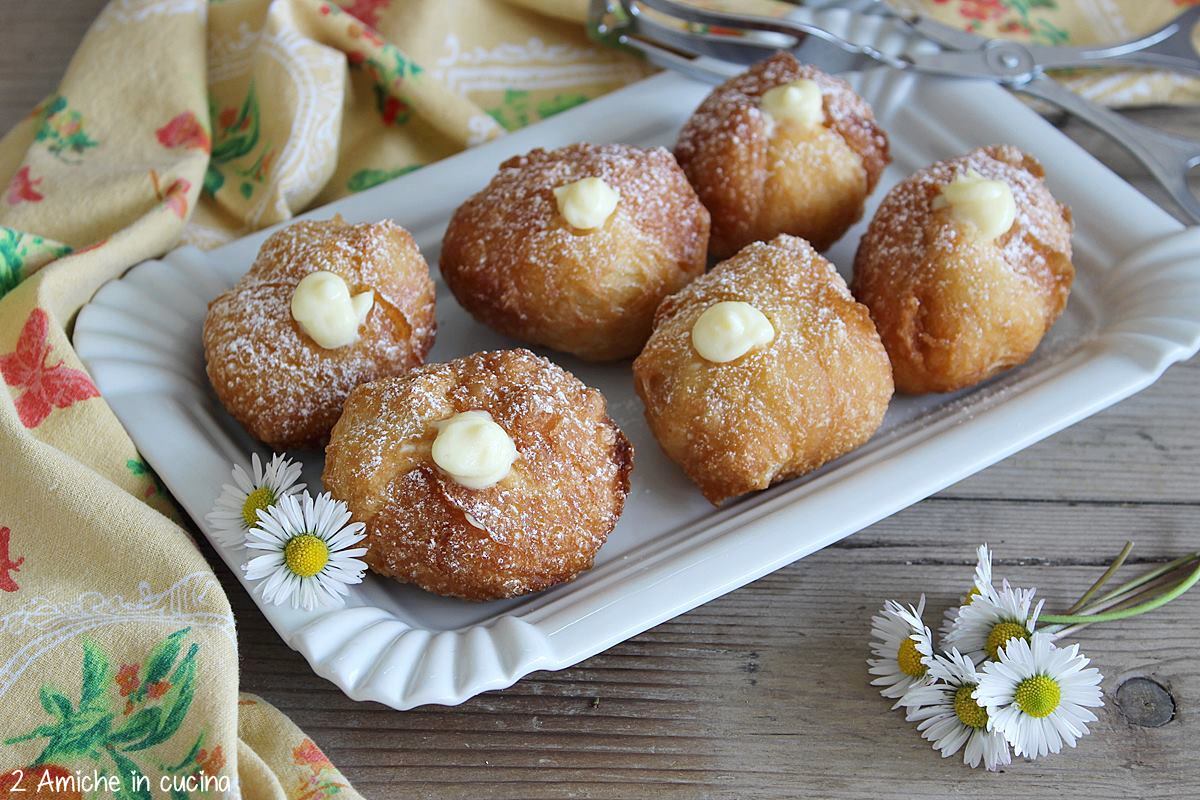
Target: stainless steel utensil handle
833, 53
1167, 157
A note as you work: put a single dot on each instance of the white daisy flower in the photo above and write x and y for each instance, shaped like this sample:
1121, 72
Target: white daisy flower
951, 718
1037, 695
984, 626
902, 646
981, 586
236, 510
309, 558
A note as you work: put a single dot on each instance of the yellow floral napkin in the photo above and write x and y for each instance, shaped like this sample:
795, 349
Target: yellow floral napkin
201, 121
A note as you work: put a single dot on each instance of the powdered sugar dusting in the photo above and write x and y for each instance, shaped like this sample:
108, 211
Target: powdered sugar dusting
731, 154
540, 525
271, 376
953, 310
514, 263
817, 391
901, 230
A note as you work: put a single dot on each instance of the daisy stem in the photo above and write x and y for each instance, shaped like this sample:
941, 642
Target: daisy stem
1146, 577
1188, 581
1127, 592
1108, 573
1124, 599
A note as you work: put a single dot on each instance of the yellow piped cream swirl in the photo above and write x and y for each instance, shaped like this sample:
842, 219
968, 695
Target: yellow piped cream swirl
728, 330
987, 206
324, 309
473, 450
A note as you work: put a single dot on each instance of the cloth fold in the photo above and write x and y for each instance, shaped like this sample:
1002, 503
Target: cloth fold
182, 120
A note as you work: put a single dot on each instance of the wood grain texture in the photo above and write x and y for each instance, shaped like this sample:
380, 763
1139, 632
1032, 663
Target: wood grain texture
763, 693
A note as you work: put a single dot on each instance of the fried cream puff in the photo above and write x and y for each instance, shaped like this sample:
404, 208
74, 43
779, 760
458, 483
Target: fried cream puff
326, 306
574, 248
965, 267
490, 476
762, 370
782, 148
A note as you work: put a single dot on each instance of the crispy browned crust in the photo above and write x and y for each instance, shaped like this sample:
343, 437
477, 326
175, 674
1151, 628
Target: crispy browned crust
539, 526
819, 390
758, 182
515, 264
953, 311
271, 376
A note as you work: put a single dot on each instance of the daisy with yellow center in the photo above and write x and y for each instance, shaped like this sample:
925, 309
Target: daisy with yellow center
993, 620
237, 509
1038, 695
981, 586
949, 716
308, 555
902, 646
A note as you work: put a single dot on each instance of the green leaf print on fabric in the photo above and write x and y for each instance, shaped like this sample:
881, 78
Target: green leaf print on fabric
366, 178
388, 68
23, 253
123, 714
236, 135
62, 129
516, 110
154, 491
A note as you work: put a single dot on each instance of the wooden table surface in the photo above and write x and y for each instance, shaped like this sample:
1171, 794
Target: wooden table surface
763, 692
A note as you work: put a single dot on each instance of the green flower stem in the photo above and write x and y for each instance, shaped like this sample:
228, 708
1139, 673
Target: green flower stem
1190, 580
1147, 577
1124, 600
1108, 573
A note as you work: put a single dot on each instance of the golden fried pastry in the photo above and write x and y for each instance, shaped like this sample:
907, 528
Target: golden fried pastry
574, 248
325, 306
490, 476
965, 267
782, 148
762, 370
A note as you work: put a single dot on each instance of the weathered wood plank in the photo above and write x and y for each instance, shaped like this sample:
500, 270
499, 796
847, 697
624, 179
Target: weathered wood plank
37, 41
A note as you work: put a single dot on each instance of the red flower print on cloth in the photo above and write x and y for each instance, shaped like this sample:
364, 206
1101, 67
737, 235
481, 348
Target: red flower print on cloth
211, 763
23, 188
175, 196
127, 679
7, 565
158, 689
365, 11
184, 130
307, 754
46, 386
982, 10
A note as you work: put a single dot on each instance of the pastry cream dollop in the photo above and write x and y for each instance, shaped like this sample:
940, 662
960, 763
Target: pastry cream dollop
324, 309
730, 329
987, 205
586, 204
473, 450
798, 101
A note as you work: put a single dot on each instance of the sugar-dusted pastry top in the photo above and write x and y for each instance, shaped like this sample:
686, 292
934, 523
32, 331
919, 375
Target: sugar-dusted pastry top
734, 109
272, 375
538, 525
760, 173
516, 262
905, 227
954, 306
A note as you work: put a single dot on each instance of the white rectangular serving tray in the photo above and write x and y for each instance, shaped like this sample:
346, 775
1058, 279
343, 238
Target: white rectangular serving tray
1134, 310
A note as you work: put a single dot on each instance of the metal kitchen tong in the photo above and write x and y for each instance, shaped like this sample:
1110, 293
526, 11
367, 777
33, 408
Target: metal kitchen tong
744, 39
